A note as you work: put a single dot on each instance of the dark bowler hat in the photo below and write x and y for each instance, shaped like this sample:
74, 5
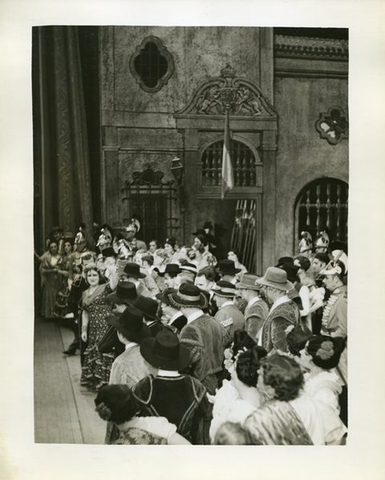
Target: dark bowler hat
171, 268
164, 297
130, 324
188, 295
125, 293
147, 306
276, 278
227, 267
165, 351
224, 289
171, 241
284, 261
108, 252
292, 272
207, 225
133, 270
248, 282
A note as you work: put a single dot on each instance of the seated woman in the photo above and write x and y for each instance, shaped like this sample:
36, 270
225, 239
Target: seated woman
115, 403
277, 422
235, 400
319, 358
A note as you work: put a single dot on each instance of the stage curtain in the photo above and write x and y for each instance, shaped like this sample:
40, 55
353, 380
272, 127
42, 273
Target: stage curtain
61, 155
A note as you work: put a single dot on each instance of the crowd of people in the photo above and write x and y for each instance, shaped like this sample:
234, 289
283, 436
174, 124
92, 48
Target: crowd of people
182, 347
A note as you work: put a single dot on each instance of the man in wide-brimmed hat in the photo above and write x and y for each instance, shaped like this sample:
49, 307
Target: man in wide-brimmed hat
256, 308
149, 307
228, 315
130, 366
170, 273
283, 312
132, 273
170, 315
202, 335
178, 397
124, 295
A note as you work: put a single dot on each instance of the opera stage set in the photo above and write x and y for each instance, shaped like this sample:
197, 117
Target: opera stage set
129, 120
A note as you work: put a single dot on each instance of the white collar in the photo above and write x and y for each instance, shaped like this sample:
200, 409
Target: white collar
280, 300
175, 316
194, 316
253, 301
228, 302
168, 373
129, 345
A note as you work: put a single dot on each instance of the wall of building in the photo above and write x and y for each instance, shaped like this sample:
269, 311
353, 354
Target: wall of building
302, 156
139, 128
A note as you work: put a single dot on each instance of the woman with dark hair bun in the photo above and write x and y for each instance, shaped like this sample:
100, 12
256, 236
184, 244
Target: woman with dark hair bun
115, 403
277, 422
237, 398
319, 358
296, 337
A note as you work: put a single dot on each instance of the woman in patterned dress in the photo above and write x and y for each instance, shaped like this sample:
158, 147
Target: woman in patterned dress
96, 308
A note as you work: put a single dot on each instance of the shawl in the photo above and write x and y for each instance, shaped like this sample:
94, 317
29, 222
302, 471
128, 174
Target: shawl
88, 297
277, 423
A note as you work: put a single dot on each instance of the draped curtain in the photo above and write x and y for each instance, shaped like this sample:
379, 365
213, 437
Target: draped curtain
61, 154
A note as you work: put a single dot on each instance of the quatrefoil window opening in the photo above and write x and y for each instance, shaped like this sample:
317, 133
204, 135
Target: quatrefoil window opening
152, 65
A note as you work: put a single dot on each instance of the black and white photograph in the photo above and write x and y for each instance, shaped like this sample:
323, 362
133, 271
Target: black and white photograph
192, 203
191, 232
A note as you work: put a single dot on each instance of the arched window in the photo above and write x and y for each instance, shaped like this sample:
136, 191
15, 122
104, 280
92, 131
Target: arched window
242, 159
323, 204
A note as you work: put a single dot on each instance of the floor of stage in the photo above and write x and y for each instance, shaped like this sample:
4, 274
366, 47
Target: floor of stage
64, 411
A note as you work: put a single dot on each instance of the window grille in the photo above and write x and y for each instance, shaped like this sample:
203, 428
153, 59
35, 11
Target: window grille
324, 204
152, 200
242, 159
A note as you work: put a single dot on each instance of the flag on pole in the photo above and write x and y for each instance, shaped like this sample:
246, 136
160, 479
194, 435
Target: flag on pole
227, 168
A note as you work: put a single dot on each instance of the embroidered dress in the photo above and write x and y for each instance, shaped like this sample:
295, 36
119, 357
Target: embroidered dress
145, 431
97, 366
137, 436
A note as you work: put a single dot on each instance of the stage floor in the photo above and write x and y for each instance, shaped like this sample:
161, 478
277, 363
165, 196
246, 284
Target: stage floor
64, 411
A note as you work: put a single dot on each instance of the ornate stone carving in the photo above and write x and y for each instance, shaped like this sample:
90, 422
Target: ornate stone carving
293, 46
148, 177
333, 125
236, 94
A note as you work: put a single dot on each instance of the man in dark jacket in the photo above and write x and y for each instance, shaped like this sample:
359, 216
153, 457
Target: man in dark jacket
178, 397
202, 336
